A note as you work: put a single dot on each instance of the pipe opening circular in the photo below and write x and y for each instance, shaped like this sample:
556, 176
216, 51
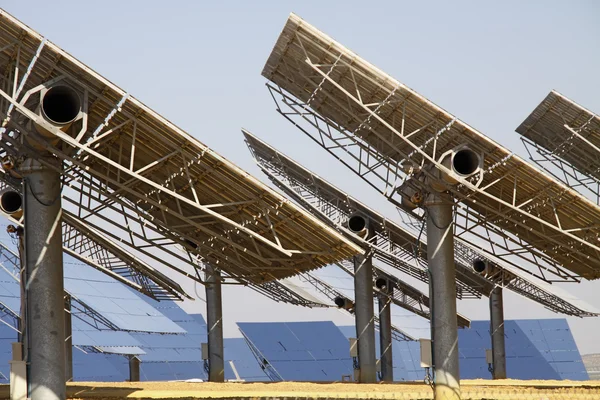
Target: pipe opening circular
381, 283
11, 202
356, 223
479, 266
465, 162
61, 105
340, 302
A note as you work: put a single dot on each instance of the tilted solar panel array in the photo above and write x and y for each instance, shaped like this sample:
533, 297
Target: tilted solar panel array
535, 349
406, 356
165, 356
300, 351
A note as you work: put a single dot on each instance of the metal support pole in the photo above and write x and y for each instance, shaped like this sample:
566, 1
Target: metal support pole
134, 369
365, 321
44, 285
385, 336
440, 257
214, 319
497, 333
68, 340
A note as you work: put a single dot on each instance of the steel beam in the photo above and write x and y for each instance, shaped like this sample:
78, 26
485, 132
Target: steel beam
365, 319
44, 282
385, 336
214, 319
497, 333
440, 256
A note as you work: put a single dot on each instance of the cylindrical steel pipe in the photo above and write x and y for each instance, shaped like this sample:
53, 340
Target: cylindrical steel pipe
11, 203
59, 105
359, 225
214, 319
44, 281
497, 333
365, 321
385, 335
440, 257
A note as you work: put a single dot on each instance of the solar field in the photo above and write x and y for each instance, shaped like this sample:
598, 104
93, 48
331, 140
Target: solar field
112, 211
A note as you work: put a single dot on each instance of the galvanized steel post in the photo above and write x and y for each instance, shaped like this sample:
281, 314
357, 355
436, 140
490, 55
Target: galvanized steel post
385, 336
44, 285
440, 257
365, 321
497, 333
214, 319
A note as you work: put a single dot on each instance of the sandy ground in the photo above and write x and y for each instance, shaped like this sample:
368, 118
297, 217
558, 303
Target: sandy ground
471, 389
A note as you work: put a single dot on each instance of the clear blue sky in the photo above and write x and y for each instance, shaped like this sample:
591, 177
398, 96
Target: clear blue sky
198, 63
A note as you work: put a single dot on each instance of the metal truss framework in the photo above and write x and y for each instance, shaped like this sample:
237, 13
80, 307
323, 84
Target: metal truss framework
91, 247
566, 138
335, 207
121, 153
386, 132
331, 293
549, 296
391, 244
404, 295
94, 242
587, 185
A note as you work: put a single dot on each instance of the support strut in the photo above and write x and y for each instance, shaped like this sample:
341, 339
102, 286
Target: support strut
385, 335
365, 321
45, 330
497, 333
214, 319
440, 257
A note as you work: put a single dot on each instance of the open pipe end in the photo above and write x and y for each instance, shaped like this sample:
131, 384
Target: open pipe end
11, 202
343, 302
465, 162
381, 283
60, 105
479, 266
358, 225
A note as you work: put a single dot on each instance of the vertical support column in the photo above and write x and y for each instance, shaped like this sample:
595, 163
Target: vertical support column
385, 335
134, 369
68, 340
365, 321
44, 285
497, 333
440, 257
214, 319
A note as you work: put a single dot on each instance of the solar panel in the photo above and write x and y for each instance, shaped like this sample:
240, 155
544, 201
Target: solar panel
124, 154
8, 335
567, 137
248, 369
385, 132
114, 301
300, 351
398, 247
535, 349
